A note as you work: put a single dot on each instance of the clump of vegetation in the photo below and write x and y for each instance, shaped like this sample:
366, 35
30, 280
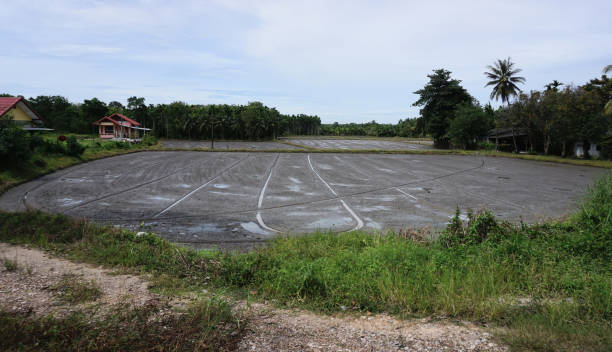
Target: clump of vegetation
149, 140
73, 289
206, 325
10, 264
73, 147
14, 143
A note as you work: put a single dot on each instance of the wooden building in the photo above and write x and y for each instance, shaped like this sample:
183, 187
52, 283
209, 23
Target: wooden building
118, 126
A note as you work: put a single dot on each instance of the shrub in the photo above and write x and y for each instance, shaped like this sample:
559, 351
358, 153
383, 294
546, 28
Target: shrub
122, 145
486, 146
476, 229
149, 140
14, 144
38, 161
51, 147
73, 147
470, 125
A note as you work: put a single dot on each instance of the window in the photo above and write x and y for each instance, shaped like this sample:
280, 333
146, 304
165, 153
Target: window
108, 130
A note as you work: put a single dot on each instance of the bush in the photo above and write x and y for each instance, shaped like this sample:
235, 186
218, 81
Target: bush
120, 145
50, 147
149, 140
14, 144
470, 125
476, 229
486, 146
73, 147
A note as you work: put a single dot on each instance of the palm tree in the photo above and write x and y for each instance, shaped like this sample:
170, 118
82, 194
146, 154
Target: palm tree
502, 76
608, 106
503, 79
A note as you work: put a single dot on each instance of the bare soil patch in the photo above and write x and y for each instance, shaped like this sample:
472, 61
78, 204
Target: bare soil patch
29, 289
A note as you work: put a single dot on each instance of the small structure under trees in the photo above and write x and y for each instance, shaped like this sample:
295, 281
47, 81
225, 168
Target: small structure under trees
506, 139
118, 126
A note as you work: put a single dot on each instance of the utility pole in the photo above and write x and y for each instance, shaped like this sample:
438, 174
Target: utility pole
212, 132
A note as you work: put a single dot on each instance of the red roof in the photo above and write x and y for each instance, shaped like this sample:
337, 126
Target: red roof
116, 119
7, 103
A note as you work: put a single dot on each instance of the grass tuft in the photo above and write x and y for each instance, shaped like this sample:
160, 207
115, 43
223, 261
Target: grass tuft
73, 289
10, 264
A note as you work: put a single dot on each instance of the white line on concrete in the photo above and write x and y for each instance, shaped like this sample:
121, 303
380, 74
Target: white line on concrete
409, 195
357, 218
319, 176
346, 206
261, 196
197, 189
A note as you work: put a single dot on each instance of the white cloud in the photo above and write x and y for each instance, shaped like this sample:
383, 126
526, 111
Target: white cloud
338, 59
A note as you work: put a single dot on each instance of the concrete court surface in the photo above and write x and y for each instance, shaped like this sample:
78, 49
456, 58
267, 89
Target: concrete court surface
360, 144
234, 200
173, 143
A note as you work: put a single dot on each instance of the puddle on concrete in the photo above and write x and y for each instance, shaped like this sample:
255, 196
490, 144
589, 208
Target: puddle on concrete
294, 180
204, 228
375, 208
69, 201
329, 223
253, 228
160, 198
294, 188
229, 194
221, 185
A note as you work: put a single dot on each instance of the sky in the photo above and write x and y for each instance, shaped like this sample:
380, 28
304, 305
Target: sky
345, 61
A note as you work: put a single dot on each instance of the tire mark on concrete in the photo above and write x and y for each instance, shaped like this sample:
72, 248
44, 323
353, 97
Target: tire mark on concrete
261, 196
344, 204
200, 187
71, 170
138, 185
246, 211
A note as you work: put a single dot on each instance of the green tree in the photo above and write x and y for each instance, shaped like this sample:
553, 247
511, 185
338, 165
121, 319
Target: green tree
439, 100
91, 110
14, 143
470, 125
138, 110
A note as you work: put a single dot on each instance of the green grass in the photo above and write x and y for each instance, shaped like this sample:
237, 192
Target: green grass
206, 325
73, 289
10, 264
542, 287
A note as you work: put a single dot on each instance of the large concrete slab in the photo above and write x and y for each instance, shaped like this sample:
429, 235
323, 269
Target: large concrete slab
360, 144
220, 145
239, 199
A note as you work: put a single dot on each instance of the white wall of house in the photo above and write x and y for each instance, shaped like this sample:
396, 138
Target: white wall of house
579, 150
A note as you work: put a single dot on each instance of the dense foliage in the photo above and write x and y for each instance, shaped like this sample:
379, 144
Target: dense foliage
14, 143
555, 119
177, 120
470, 125
404, 128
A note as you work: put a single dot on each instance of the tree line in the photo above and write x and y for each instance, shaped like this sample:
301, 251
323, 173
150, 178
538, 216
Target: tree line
409, 127
178, 119
553, 119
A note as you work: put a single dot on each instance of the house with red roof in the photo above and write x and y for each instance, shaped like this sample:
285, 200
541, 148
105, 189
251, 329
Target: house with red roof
119, 126
20, 112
